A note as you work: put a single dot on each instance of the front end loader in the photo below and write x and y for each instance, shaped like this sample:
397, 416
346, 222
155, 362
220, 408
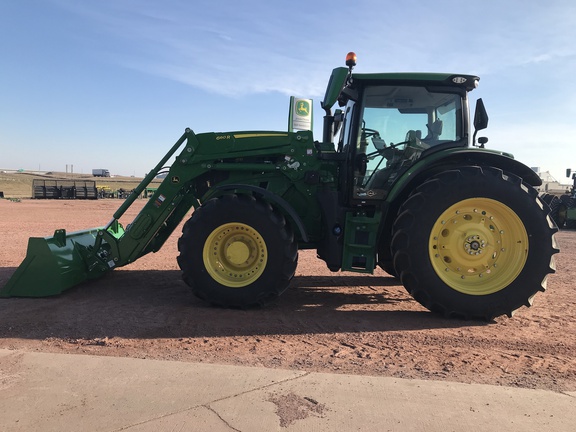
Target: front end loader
396, 181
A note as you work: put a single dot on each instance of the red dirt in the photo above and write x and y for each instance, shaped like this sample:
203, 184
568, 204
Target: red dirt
346, 323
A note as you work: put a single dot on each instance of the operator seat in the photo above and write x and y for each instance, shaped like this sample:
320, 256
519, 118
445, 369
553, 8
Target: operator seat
434, 130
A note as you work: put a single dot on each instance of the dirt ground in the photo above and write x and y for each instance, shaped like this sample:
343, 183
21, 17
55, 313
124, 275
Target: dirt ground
327, 322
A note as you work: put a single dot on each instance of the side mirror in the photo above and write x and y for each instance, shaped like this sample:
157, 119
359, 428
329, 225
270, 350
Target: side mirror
480, 116
568, 172
480, 120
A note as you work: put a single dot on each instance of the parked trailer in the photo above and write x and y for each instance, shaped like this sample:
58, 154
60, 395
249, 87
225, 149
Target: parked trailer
70, 189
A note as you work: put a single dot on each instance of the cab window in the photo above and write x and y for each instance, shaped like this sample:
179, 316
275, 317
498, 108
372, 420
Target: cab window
397, 125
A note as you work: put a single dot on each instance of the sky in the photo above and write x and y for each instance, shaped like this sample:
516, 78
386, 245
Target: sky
113, 83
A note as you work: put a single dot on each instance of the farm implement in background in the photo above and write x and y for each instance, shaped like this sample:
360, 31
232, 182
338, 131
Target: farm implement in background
68, 189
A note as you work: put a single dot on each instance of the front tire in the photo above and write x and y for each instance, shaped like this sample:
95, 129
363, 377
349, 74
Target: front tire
236, 251
474, 243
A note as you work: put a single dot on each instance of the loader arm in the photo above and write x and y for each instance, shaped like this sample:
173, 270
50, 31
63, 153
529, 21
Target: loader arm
54, 264
208, 163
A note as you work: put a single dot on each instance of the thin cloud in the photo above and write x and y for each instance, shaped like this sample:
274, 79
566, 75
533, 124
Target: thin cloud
234, 62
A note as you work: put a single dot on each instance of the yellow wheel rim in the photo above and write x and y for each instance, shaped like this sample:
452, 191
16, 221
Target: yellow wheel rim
235, 255
478, 246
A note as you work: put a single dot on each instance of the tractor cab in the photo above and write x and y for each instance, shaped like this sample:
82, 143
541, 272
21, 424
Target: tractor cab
389, 121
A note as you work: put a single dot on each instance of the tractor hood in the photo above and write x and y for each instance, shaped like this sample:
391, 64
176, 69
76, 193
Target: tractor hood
246, 143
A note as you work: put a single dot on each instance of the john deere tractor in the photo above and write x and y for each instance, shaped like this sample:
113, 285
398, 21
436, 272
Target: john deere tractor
567, 205
563, 208
397, 181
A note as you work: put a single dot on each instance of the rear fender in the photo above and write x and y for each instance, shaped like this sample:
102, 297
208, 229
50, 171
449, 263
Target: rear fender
447, 160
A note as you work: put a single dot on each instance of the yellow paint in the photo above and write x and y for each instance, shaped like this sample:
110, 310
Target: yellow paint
478, 246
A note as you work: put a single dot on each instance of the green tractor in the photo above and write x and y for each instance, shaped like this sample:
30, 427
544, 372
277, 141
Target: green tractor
567, 205
397, 182
563, 208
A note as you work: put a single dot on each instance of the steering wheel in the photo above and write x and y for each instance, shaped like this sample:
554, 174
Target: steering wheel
370, 132
409, 140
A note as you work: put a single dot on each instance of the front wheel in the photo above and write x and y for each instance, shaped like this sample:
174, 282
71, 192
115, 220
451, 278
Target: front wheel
236, 251
474, 243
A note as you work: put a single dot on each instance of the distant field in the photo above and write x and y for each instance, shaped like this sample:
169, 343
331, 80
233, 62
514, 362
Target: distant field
19, 185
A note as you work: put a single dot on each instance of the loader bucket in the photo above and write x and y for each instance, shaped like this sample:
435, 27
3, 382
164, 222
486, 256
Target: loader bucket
57, 263
54, 264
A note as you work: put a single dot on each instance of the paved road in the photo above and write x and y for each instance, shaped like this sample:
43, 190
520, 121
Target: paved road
58, 392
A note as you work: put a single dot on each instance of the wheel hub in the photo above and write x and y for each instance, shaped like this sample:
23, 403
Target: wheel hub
478, 246
235, 255
237, 252
474, 245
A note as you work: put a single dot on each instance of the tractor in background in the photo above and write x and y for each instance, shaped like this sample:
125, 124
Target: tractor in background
563, 207
567, 205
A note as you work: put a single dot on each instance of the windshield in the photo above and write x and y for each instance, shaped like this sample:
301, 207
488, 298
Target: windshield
397, 125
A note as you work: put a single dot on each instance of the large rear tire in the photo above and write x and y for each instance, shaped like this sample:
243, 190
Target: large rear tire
236, 251
555, 206
567, 203
474, 243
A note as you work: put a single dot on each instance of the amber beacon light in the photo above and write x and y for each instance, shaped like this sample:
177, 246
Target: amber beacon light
351, 59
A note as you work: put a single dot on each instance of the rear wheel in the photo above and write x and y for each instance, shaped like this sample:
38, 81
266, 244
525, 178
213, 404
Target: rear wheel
546, 197
474, 243
236, 251
557, 211
567, 203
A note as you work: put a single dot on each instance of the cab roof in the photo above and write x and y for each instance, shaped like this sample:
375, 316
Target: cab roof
469, 82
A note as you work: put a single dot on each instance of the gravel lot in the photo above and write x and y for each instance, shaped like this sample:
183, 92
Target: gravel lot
334, 322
